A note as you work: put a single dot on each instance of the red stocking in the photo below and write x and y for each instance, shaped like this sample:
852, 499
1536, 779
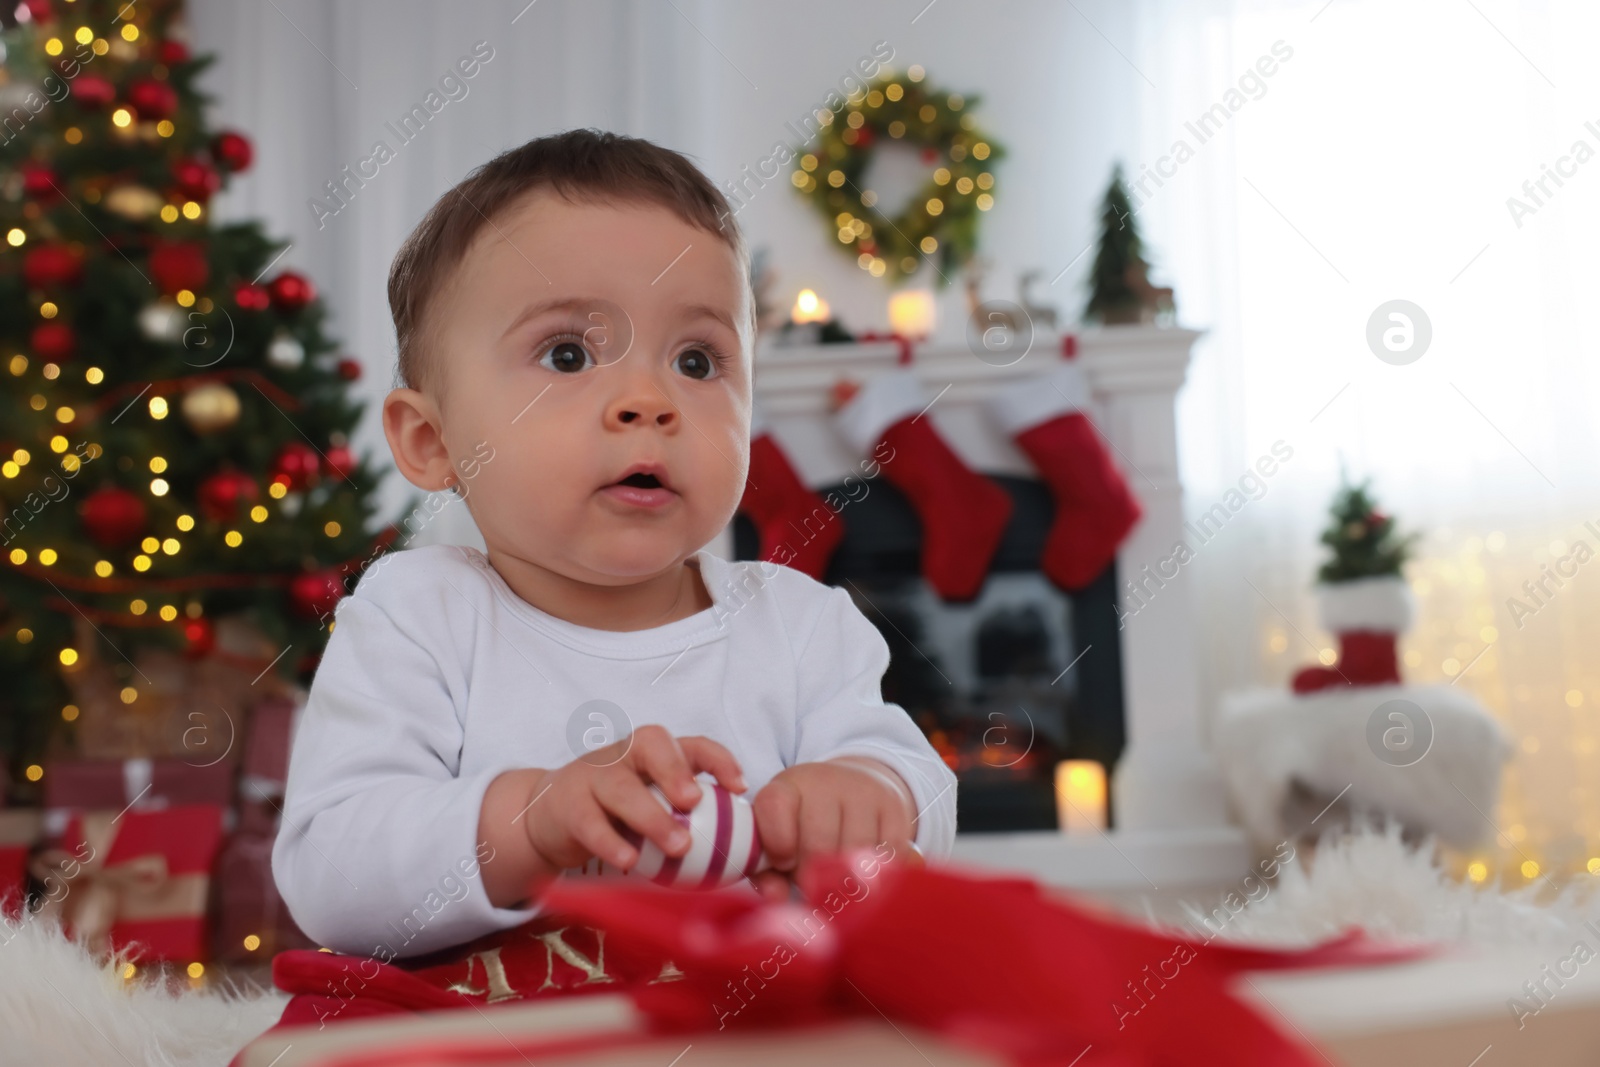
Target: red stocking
1369, 615
963, 513
795, 525
1094, 508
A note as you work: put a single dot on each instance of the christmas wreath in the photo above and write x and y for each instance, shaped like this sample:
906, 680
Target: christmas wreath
942, 218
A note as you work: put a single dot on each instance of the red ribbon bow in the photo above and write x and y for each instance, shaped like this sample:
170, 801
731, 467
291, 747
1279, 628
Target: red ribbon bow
999, 963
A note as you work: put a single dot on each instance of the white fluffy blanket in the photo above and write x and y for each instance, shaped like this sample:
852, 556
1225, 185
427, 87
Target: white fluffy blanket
59, 1007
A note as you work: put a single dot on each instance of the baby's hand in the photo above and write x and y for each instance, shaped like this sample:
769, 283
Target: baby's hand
815, 808
577, 802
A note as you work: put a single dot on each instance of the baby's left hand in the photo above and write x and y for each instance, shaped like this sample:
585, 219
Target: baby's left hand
812, 809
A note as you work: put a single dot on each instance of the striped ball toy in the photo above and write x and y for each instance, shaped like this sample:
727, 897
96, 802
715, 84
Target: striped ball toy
723, 846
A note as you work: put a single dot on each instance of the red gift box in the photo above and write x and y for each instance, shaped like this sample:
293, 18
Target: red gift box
266, 751
76, 786
136, 880
19, 832
248, 904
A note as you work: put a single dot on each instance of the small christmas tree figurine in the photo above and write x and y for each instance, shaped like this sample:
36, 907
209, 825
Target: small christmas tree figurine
1119, 286
1363, 539
1361, 595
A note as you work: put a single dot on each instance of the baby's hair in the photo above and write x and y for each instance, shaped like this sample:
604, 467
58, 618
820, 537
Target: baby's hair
580, 165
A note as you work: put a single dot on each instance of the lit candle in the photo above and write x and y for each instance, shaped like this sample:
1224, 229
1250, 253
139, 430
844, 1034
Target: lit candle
1081, 796
809, 307
911, 314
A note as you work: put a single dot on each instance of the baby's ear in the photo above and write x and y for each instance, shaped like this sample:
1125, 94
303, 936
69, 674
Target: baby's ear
412, 425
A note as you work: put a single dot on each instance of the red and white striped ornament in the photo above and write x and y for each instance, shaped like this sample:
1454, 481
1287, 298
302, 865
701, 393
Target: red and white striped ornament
723, 847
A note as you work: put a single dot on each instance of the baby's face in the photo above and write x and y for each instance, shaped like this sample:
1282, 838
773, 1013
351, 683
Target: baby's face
576, 344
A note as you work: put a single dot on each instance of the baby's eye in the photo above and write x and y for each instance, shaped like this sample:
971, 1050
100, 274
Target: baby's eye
697, 363
566, 357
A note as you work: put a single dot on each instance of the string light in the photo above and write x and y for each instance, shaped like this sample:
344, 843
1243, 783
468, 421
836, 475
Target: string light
15, 237
69, 713
141, 563
47, 556
48, 310
196, 969
157, 464
122, 118
165, 128
103, 568
185, 297
158, 487
158, 407
168, 613
277, 490
233, 538
332, 529
68, 656
18, 364
185, 522
251, 943
34, 772
65, 414
19, 555
24, 635
150, 544
138, 607
129, 694
170, 546
258, 513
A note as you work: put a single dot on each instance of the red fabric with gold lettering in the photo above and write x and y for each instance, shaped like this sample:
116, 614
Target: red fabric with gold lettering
998, 963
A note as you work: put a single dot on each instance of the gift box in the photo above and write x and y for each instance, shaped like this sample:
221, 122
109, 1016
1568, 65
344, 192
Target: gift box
135, 880
76, 786
20, 830
252, 921
264, 772
188, 708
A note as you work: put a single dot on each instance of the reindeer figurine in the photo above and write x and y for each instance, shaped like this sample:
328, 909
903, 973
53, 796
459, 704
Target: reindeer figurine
1152, 300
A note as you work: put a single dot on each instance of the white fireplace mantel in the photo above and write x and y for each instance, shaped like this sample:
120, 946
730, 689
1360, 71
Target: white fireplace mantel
1172, 824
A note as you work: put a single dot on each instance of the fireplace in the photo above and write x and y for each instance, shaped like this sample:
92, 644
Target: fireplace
1131, 701
1005, 686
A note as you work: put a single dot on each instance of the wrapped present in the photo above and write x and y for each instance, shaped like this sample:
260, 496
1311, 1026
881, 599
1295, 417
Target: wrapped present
998, 966
252, 922
20, 829
75, 786
135, 880
188, 708
264, 771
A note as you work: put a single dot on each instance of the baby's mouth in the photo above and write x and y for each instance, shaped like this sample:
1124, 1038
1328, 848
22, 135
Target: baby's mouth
644, 488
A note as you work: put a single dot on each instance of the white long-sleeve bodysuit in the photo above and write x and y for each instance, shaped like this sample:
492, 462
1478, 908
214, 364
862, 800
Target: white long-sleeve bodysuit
438, 677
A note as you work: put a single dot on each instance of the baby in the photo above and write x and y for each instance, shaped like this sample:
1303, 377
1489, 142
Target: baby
575, 327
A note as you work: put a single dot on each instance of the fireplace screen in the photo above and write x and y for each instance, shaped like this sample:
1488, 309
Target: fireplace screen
1005, 686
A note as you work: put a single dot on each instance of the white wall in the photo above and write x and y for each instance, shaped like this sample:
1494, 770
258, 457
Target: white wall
315, 83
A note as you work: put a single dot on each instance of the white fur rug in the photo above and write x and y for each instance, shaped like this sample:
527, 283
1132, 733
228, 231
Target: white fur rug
58, 1006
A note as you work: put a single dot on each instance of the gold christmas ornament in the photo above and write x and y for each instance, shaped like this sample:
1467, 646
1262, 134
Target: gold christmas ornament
135, 203
210, 407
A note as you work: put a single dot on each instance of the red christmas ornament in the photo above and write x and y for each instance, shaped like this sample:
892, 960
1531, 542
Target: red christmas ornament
54, 341
177, 266
221, 494
39, 11
196, 179
173, 52
296, 464
93, 92
47, 266
153, 99
232, 151
865, 137
930, 155
339, 462
291, 291
315, 594
113, 517
199, 636
40, 182
252, 297
349, 369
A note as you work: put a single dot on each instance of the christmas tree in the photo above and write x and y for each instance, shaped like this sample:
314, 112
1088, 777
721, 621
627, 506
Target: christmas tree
1114, 295
1364, 541
173, 419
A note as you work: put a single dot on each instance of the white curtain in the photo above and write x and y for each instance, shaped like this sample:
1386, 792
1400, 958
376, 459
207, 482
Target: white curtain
1370, 157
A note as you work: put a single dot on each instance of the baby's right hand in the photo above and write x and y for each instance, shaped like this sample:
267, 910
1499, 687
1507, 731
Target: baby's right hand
571, 818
